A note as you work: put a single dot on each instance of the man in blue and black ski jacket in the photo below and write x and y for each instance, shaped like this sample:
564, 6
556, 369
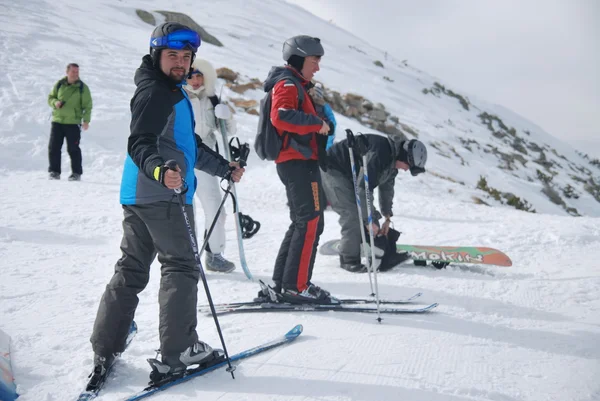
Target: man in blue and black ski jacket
162, 129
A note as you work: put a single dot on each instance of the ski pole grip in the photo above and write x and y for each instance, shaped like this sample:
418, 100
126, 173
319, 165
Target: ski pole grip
171, 165
350, 137
240, 152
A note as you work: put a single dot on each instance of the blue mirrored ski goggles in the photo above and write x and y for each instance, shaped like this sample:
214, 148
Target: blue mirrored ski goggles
178, 40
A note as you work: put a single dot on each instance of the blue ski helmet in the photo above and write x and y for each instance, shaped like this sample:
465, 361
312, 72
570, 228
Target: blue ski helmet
173, 35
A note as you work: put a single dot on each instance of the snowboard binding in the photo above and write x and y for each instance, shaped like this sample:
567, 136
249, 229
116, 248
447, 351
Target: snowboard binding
239, 152
437, 265
249, 225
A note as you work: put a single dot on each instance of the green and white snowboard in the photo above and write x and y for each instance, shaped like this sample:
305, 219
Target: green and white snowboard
448, 254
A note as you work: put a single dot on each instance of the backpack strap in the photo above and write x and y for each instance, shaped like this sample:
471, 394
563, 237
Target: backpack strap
59, 84
81, 94
64, 81
299, 89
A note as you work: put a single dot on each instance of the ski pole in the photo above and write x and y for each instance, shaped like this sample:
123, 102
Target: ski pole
172, 164
353, 165
371, 236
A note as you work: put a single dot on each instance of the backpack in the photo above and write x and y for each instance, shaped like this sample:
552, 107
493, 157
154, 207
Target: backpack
268, 143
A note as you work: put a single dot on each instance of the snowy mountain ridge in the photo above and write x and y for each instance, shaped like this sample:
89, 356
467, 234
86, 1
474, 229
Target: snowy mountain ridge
524, 333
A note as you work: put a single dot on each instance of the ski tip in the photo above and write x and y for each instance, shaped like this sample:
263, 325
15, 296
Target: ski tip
295, 332
417, 295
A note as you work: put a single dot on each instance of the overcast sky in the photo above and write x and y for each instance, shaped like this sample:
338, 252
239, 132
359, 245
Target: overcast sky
539, 58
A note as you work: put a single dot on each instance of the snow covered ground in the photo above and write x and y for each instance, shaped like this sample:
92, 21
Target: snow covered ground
528, 332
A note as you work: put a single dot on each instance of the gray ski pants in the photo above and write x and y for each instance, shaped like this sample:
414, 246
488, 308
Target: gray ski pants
339, 191
148, 230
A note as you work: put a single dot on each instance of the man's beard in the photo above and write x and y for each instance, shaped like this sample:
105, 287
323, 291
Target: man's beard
176, 78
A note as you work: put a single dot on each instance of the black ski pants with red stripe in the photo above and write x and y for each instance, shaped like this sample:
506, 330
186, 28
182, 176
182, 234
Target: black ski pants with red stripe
296, 257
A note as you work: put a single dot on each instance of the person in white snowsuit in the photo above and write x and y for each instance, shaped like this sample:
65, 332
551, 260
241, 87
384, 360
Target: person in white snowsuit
201, 89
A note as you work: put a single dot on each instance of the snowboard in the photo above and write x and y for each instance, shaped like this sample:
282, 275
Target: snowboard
449, 254
8, 389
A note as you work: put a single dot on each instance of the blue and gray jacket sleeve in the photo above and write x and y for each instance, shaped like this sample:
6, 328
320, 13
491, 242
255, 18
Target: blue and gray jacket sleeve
142, 145
210, 161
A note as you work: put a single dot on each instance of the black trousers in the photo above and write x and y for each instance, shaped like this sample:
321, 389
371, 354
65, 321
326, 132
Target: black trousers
296, 257
58, 133
149, 230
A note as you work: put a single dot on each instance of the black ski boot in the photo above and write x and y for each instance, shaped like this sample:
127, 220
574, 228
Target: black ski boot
351, 265
101, 366
311, 295
175, 366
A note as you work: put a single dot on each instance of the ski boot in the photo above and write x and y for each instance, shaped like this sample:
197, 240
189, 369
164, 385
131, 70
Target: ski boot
172, 367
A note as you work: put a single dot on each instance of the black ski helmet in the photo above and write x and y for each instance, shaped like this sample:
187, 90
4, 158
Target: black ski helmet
296, 48
414, 153
163, 31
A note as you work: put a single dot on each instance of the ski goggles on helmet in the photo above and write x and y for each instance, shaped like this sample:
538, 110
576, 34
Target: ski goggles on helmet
178, 40
197, 72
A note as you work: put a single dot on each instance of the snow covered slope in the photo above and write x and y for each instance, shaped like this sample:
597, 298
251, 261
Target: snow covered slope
529, 332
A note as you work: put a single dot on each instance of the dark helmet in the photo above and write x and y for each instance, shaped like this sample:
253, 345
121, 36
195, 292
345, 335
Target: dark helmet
414, 153
173, 35
302, 46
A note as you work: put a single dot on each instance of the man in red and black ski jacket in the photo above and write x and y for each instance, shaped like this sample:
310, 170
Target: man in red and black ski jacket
304, 133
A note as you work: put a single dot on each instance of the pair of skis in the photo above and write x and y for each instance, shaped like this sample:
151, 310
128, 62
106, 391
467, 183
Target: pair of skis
97, 381
345, 306
274, 303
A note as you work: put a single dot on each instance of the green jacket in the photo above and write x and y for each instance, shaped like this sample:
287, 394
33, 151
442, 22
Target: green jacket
77, 102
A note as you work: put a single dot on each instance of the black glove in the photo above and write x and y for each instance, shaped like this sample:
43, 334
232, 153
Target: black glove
322, 152
331, 128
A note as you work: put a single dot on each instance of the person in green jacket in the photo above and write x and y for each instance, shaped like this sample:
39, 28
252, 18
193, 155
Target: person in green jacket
71, 103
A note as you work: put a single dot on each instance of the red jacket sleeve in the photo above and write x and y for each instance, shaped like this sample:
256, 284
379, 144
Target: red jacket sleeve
285, 115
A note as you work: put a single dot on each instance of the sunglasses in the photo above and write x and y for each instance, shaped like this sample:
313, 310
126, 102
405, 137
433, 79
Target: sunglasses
178, 40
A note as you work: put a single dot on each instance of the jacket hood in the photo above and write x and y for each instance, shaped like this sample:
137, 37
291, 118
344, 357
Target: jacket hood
210, 77
199, 93
278, 73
